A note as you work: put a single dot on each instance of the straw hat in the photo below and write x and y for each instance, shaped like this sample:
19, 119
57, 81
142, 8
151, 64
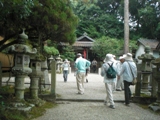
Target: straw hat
109, 58
128, 57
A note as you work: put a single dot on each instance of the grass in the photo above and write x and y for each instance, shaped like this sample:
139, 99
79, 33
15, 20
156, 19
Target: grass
21, 115
146, 107
7, 95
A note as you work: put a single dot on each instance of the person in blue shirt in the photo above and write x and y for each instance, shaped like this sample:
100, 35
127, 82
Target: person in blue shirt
81, 65
128, 67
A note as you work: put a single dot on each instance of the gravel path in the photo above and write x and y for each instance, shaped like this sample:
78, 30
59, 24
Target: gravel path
91, 106
97, 111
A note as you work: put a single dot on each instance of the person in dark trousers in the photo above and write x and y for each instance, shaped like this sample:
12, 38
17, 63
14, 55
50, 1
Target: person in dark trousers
87, 71
94, 65
81, 65
128, 67
65, 67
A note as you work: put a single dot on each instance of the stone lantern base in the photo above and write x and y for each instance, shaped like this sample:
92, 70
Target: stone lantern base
21, 106
36, 102
155, 106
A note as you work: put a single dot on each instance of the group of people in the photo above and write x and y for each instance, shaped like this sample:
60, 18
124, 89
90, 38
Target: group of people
125, 69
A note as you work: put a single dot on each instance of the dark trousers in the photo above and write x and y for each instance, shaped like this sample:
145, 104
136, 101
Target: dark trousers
94, 68
127, 92
65, 74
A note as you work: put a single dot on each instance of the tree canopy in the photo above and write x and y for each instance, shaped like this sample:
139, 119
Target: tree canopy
106, 18
47, 19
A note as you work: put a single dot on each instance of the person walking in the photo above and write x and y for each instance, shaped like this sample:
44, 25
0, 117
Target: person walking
94, 65
109, 82
128, 67
81, 65
65, 67
120, 84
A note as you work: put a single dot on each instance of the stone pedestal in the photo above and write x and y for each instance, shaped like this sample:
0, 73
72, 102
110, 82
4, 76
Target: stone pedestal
138, 85
34, 87
19, 87
45, 83
145, 83
154, 83
156, 106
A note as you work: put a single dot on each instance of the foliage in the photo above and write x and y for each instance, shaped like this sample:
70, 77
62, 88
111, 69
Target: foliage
68, 53
21, 115
13, 13
106, 18
133, 44
95, 21
51, 50
48, 19
6, 114
106, 45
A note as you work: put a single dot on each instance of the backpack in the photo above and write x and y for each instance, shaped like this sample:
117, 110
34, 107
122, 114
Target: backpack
111, 73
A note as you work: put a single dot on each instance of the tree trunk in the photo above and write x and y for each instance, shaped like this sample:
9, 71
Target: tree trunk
126, 26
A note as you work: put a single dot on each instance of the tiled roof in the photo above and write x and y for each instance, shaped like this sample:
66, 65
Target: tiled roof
83, 44
85, 38
83, 41
149, 42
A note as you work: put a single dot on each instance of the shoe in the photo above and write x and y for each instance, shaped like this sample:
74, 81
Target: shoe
112, 106
118, 90
80, 93
127, 105
86, 80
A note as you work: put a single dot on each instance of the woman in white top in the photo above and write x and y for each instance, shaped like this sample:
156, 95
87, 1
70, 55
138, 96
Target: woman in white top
65, 67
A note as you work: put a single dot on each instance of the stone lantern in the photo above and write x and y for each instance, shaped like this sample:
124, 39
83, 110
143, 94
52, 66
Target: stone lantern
50, 61
156, 106
146, 70
59, 63
21, 70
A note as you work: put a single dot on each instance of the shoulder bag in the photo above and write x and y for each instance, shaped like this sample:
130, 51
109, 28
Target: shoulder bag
134, 81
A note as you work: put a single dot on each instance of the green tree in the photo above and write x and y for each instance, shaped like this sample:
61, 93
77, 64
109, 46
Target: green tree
98, 18
13, 13
68, 53
105, 45
49, 19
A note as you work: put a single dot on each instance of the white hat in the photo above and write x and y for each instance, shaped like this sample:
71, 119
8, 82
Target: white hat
66, 60
121, 57
109, 58
79, 54
128, 57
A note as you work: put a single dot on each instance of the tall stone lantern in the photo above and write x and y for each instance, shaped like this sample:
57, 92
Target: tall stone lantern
21, 68
146, 70
59, 63
156, 106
